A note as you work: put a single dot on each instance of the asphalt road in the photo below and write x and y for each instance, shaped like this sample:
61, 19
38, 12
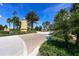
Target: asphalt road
24, 45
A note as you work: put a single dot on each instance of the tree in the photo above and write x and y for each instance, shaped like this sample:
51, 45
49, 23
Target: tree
36, 28
1, 27
5, 26
31, 17
40, 28
61, 24
51, 27
75, 21
75, 7
46, 25
9, 21
15, 21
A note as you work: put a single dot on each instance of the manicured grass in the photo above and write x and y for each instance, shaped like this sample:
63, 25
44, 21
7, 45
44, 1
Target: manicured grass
14, 32
57, 47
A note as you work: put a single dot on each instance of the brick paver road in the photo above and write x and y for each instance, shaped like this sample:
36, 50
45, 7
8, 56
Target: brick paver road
33, 40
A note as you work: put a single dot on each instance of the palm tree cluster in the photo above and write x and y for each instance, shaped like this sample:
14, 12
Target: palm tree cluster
38, 28
15, 21
31, 18
67, 22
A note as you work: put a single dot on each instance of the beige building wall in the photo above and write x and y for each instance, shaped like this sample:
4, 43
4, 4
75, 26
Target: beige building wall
6, 29
23, 26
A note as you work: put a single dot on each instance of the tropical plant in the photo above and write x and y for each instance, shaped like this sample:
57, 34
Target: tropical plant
9, 21
31, 18
46, 25
15, 21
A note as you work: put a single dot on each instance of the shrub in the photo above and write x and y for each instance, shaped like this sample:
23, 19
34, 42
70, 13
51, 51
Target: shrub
57, 47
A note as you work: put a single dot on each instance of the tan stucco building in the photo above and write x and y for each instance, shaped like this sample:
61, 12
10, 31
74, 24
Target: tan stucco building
6, 29
24, 26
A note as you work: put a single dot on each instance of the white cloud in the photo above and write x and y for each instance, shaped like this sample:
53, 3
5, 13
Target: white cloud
1, 4
56, 8
0, 16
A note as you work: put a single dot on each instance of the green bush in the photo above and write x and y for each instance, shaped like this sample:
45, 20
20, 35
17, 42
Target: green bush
57, 47
3, 33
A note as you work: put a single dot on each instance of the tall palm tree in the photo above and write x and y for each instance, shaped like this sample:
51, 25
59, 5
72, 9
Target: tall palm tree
9, 21
15, 21
31, 17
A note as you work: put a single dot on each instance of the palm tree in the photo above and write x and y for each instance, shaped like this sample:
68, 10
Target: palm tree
31, 17
15, 21
46, 25
9, 21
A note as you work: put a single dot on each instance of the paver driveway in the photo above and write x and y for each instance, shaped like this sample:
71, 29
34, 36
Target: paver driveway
33, 40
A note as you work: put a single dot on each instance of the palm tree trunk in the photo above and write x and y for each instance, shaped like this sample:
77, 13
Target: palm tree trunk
31, 25
14, 26
9, 28
9, 25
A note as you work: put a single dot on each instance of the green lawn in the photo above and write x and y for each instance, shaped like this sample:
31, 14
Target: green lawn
14, 32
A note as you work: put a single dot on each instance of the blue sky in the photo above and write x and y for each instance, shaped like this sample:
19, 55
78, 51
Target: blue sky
45, 11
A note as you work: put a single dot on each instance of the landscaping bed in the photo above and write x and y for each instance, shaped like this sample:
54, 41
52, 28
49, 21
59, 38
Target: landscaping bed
57, 47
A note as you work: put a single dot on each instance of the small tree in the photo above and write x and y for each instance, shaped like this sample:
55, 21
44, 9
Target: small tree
46, 25
36, 28
1, 27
